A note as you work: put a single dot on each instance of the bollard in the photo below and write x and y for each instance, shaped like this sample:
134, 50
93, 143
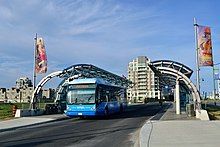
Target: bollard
14, 109
190, 110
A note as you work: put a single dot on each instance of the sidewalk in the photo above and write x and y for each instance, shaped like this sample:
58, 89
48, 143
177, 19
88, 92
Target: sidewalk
180, 130
171, 114
6, 125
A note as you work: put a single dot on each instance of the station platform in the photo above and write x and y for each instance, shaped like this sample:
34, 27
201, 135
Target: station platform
174, 130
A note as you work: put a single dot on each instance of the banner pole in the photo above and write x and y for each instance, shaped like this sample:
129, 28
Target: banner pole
34, 70
197, 56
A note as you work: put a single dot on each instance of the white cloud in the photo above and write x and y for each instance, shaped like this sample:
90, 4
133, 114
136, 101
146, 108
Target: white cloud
5, 13
95, 32
106, 33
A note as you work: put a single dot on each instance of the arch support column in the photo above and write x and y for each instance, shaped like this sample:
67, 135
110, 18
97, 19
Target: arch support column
177, 94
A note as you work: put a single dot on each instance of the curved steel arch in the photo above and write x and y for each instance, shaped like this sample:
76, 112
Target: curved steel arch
41, 84
60, 93
174, 65
187, 81
79, 71
169, 71
89, 71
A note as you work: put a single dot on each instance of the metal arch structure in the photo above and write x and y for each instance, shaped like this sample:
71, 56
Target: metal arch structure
91, 71
170, 71
78, 71
40, 85
87, 71
173, 65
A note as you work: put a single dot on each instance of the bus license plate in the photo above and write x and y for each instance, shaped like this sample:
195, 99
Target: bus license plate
80, 114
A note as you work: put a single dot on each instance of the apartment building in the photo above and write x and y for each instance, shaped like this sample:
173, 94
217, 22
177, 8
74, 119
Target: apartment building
145, 83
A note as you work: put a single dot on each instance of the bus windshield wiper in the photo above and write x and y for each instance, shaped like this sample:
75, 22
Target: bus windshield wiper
89, 98
76, 100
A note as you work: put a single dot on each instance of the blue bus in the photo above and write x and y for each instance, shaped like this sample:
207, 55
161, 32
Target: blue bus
94, 97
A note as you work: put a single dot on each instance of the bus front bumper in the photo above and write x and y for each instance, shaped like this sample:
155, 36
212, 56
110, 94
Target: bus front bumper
83, 113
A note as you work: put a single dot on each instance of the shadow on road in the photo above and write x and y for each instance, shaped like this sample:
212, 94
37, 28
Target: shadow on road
138, 110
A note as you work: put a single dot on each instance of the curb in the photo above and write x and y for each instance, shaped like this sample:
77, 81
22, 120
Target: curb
147, 128
145, 132
34, 124
160, 114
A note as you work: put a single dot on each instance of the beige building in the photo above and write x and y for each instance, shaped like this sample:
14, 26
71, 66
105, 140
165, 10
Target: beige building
2, 95
13, 95
22, 93
48, 93
145, 84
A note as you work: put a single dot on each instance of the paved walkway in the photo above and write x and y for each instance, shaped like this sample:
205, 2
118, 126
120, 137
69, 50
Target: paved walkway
171, 114
11, 124
181, 133
174, 130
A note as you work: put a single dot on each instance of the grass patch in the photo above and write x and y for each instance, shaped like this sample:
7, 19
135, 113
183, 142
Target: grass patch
210, 100
6, 109
214, 112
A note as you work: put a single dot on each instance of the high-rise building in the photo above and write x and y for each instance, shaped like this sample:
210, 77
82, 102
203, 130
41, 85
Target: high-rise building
145, 83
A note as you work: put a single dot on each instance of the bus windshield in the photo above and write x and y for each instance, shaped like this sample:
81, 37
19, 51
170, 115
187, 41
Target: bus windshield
81, 96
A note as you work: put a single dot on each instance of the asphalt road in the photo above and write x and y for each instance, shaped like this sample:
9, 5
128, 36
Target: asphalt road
118, 130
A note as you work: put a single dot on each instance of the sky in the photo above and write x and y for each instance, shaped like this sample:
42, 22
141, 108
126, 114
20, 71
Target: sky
106, 33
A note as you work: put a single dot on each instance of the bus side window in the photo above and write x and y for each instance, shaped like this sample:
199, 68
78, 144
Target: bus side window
108, 96
98, 95
117, 95
112, 96
102, 96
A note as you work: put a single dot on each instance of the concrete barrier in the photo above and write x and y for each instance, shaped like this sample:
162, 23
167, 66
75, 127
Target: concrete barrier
202, 114
27, 112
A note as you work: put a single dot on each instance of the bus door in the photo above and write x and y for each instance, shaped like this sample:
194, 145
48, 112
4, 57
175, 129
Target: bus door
110, 104
102, 98
114, 100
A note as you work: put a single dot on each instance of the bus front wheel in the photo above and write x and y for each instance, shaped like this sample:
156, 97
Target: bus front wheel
106, 112
121, 108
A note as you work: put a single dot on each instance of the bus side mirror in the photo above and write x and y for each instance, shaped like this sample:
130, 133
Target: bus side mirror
98, 101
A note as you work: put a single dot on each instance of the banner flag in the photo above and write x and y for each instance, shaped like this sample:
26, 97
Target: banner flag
41, 57
204, 46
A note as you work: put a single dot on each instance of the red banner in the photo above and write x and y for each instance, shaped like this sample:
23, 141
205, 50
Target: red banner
204, 46
41, 57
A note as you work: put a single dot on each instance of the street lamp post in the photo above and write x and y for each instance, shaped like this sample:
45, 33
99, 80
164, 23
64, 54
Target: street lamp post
214, 81
197, 56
